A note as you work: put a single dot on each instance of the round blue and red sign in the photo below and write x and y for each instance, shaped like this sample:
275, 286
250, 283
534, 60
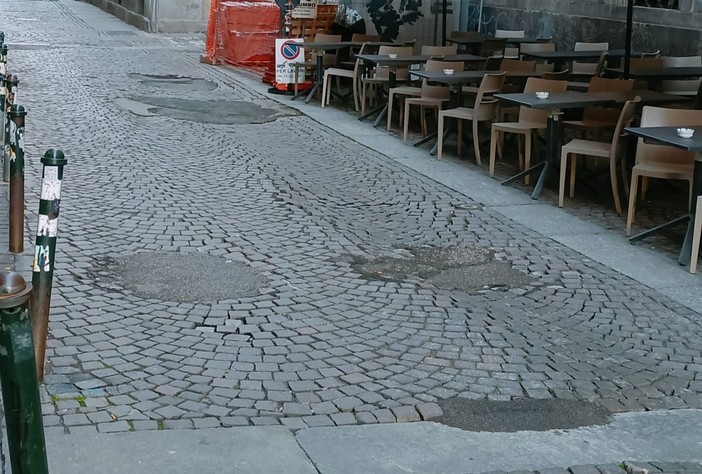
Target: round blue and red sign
290, 50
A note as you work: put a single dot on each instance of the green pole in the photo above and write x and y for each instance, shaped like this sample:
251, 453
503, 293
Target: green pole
20, 388
45, 251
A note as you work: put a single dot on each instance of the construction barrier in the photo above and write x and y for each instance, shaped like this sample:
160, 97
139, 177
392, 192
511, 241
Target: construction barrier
245, 31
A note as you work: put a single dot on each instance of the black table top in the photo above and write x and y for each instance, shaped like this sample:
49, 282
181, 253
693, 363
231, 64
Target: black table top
385, 60
661, 73
468, 76
647, 96
477, 41
669, 136
557, 100
575, 55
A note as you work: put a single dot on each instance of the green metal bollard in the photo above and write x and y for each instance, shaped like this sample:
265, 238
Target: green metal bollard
45, 251
20, 389
17, 114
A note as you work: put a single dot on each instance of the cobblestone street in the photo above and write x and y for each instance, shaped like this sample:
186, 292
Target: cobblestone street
224, 260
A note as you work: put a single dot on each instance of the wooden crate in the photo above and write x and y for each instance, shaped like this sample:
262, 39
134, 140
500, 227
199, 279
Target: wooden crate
307, 28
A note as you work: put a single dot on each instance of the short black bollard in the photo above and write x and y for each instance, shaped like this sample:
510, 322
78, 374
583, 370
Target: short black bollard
20, 389
17, 114
45, 251
10, 82
3, 57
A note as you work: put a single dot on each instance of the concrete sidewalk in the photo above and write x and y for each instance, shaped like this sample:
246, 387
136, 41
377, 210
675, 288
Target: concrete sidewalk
425, 448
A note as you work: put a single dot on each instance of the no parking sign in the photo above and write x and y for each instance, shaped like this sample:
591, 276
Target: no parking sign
287, 53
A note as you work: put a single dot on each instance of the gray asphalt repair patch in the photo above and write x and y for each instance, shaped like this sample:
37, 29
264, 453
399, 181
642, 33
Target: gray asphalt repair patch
175, 83
232, 112
521, 414
178, 277
448, 268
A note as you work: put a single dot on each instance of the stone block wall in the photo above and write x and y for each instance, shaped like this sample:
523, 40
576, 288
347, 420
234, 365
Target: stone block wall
168, 16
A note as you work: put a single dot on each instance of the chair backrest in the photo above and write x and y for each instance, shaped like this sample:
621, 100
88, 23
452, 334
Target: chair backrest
602, 84
465, 35
364, 37
438, 50
625, 118
595, 69
329, 57
664, 117
485, 105
493, 63
517, 65
555, 75
493, 47
682, 86
584, 46
682, 61
435, 92
509, 33
401, 73
537, 47
534, 84
645, 63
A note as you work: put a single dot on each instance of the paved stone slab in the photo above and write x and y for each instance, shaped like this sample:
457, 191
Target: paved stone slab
433, 448
207, 451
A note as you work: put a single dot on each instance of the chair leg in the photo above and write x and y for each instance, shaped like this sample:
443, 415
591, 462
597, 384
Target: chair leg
423, 120
391, 96
527, 154
573, 168
561, 180
459, 135
440, 137
632, 201
696, 237
406, 124
476, 142
326, 86
354, 89
493, 149
615, 188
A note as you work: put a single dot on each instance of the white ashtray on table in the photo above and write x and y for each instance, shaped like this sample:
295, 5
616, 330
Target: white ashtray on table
685, 132
448, 72
541, 95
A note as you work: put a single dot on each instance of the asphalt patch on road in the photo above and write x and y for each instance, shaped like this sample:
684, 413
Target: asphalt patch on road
447, 268
175, 83
521, 414
223, 112
178, 277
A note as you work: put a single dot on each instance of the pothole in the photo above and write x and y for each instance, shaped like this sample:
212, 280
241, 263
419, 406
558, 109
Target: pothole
447, 268
178, 277
521, 414
232, 112
173, 82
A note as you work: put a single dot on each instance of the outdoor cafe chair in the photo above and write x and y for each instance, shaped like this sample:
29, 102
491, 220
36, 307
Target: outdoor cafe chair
380, 75
510, 52
541, 47
696, 232
329, 59
584, 68
492, 47
528, 123
598, 118
484, 109
687, 87
337, 72
661, 161
431, 96
612, 152
410, 90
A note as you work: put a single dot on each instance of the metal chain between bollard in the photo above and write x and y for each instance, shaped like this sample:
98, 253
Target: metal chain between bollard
20, 389
17, 114
45, 251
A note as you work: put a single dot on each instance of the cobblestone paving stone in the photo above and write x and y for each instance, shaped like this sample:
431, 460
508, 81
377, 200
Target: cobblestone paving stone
319, 345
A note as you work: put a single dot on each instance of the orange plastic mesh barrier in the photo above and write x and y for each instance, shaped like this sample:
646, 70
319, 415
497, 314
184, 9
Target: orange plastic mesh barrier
246, 32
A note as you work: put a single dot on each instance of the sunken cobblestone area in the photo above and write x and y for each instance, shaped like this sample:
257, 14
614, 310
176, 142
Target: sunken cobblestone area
319, 344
